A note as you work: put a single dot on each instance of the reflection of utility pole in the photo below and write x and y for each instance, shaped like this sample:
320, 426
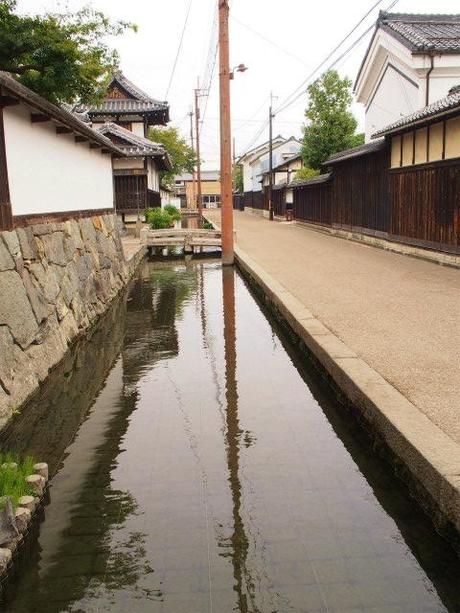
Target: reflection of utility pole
225, 137
198, 160
239, 540
193, 149
270, 160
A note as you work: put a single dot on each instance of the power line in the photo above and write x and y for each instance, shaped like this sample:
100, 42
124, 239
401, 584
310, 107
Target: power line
288, 102
336, 48
268, 40
179, 49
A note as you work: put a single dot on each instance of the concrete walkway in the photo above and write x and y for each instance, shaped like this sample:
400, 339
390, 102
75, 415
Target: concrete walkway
401, 315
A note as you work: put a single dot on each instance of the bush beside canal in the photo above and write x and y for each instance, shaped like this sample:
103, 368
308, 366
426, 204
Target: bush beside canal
160, 219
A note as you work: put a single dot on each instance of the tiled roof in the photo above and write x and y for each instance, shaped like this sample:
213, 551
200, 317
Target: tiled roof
60, 115
136, 101
422, 33
313, 181
355, 152
293, 158
447, 105
135, 146
136, 92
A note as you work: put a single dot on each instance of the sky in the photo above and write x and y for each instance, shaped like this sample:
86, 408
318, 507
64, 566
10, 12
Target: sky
280, 43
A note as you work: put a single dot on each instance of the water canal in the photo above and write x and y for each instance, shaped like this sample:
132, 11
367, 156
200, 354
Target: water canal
201, 465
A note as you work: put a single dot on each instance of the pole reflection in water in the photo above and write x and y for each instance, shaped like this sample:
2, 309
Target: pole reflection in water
239, 539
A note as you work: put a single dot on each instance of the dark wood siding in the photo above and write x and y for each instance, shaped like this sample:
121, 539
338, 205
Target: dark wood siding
361, 195
418, 205
130, 193
279, 202
6, 221
313, 204
426, 205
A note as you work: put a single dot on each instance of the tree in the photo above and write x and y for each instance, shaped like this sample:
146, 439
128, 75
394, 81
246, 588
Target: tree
331, 126
306, 173
182, 155
60, 56
238, 183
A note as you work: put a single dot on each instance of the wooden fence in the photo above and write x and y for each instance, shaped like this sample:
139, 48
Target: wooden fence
417, 205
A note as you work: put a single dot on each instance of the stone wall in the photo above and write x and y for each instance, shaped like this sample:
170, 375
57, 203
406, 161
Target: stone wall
55, 279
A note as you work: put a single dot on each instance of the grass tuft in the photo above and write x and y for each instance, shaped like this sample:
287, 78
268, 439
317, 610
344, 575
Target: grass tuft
13, 479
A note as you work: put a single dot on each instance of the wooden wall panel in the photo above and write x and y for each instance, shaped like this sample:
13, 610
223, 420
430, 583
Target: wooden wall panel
6, 220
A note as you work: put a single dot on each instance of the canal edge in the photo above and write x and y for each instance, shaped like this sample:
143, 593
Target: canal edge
426, 458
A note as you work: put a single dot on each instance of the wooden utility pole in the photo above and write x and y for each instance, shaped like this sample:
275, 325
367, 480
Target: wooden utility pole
198, 159
225, 137
270, 162
193, 148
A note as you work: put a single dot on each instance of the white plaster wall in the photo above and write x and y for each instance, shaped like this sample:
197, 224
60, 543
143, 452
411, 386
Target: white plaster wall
153, 177
247, 177
137, 128
394, 98
51, 173
130, 163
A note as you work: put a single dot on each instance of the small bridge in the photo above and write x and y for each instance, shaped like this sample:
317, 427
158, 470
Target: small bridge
187, 238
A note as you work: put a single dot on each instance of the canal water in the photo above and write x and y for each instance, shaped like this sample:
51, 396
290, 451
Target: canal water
201, 465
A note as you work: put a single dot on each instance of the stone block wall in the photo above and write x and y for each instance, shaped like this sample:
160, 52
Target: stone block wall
55, 279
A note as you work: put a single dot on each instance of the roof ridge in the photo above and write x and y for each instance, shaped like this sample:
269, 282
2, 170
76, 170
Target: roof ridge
437, 17
131, 88
443, 105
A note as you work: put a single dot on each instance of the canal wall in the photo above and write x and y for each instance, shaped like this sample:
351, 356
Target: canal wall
424, 456
56, 279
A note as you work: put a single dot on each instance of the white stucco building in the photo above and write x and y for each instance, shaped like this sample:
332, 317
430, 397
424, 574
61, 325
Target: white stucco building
52, 165
412, 61
256, 161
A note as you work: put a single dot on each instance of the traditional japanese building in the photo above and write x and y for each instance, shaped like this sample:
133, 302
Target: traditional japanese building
137, 175
124, 116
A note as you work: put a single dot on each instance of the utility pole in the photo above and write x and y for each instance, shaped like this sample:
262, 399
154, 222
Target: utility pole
198, 159
225, 137
270, 161
193, 148
234, 166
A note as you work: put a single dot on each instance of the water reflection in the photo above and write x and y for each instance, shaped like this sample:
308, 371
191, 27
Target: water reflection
214, 472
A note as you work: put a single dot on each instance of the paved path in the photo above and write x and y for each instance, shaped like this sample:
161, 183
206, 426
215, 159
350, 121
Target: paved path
400, 314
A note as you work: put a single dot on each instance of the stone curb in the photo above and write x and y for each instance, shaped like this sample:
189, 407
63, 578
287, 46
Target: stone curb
430, 459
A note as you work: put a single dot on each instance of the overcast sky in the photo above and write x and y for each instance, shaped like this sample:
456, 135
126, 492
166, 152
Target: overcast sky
280, 42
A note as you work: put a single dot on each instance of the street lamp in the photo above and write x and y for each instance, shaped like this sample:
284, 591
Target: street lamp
239, 68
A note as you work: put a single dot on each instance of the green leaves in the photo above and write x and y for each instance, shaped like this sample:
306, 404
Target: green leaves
331, 126
61, 56
182, 155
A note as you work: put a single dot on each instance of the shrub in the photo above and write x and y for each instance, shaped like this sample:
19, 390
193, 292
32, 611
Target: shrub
173, 211
306, 173
158, 219
13, 479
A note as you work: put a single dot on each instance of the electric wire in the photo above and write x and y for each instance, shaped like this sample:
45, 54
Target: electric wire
268, 40
179, 48
287, 102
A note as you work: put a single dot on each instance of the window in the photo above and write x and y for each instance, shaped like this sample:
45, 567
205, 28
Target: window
211, 201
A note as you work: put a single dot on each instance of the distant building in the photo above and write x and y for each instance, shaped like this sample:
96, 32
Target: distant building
124, 116
284, 172
256, 161
411, 61
185, 189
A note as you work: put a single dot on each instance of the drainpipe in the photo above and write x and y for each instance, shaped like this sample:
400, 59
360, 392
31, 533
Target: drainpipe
427, 87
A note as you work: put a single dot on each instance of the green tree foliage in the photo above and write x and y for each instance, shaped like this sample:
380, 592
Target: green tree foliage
61, 56
182, 155
159, 219
306, 173
238, 184
331, 126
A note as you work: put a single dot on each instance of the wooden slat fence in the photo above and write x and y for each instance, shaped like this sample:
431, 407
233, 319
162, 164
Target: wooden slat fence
417, 205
